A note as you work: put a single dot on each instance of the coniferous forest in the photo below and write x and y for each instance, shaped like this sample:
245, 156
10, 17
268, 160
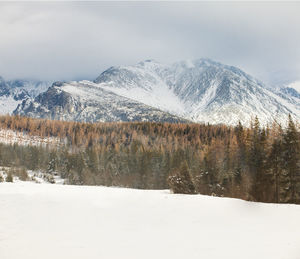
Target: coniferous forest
254, 163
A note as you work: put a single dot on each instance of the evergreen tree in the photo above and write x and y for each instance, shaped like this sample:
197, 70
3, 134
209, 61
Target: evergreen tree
291, 159
257, 158
275, 162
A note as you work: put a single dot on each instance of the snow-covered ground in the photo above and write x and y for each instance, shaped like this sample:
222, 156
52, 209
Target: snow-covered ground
69, 222
12, 137
33, 176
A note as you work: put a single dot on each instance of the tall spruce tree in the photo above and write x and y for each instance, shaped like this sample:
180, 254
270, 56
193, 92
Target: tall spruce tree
275, 163
257, 157
291, 153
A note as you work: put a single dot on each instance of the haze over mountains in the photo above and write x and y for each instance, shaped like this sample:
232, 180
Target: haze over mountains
199, 90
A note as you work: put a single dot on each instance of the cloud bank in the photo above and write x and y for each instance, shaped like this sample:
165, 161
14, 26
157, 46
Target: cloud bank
76, 40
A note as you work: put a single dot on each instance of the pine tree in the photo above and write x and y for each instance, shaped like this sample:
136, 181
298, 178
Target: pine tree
257, 160
275, 162
291, 158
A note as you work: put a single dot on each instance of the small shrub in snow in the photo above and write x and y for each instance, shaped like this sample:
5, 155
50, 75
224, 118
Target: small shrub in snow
9, 178
22, 174
180, 181
48, 178
51, 179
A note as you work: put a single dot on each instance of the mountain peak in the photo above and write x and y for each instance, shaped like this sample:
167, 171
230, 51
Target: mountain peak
58, 84
202, 90
150, 64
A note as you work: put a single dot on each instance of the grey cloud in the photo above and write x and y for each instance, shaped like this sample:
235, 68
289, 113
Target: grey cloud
79, 40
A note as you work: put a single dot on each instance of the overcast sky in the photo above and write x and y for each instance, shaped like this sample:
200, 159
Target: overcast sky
76, 40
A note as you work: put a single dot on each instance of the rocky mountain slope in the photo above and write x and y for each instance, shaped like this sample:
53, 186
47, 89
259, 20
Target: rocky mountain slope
199, 90
84, 101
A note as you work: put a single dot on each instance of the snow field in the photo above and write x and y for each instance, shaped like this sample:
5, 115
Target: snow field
60, 221
33, 176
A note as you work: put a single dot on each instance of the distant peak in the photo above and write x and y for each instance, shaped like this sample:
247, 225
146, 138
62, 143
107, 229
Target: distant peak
58, 83
199, 62
207, 61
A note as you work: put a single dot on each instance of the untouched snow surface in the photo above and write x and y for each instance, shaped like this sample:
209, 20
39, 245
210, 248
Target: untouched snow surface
69, 222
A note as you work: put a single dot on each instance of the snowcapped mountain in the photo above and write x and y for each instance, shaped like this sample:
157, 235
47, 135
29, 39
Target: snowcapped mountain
199, 90
85, 101
12, 93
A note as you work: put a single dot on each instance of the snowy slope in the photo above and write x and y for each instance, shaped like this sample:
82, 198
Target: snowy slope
8, 104
62, 222
86, 101
142, 83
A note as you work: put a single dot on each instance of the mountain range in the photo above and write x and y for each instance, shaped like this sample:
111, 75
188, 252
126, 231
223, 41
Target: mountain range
13, 92
199, 90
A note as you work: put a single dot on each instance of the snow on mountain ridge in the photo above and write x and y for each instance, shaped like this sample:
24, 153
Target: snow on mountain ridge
201, 90
88, 102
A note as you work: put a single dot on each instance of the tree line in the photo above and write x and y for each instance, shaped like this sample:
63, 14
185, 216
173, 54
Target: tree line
253, 163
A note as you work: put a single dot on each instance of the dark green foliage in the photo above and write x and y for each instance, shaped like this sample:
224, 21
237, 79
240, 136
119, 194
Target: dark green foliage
291, 154
275, 165
257, 155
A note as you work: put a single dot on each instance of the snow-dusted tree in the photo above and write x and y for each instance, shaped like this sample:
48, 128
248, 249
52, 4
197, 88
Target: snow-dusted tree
181, 181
